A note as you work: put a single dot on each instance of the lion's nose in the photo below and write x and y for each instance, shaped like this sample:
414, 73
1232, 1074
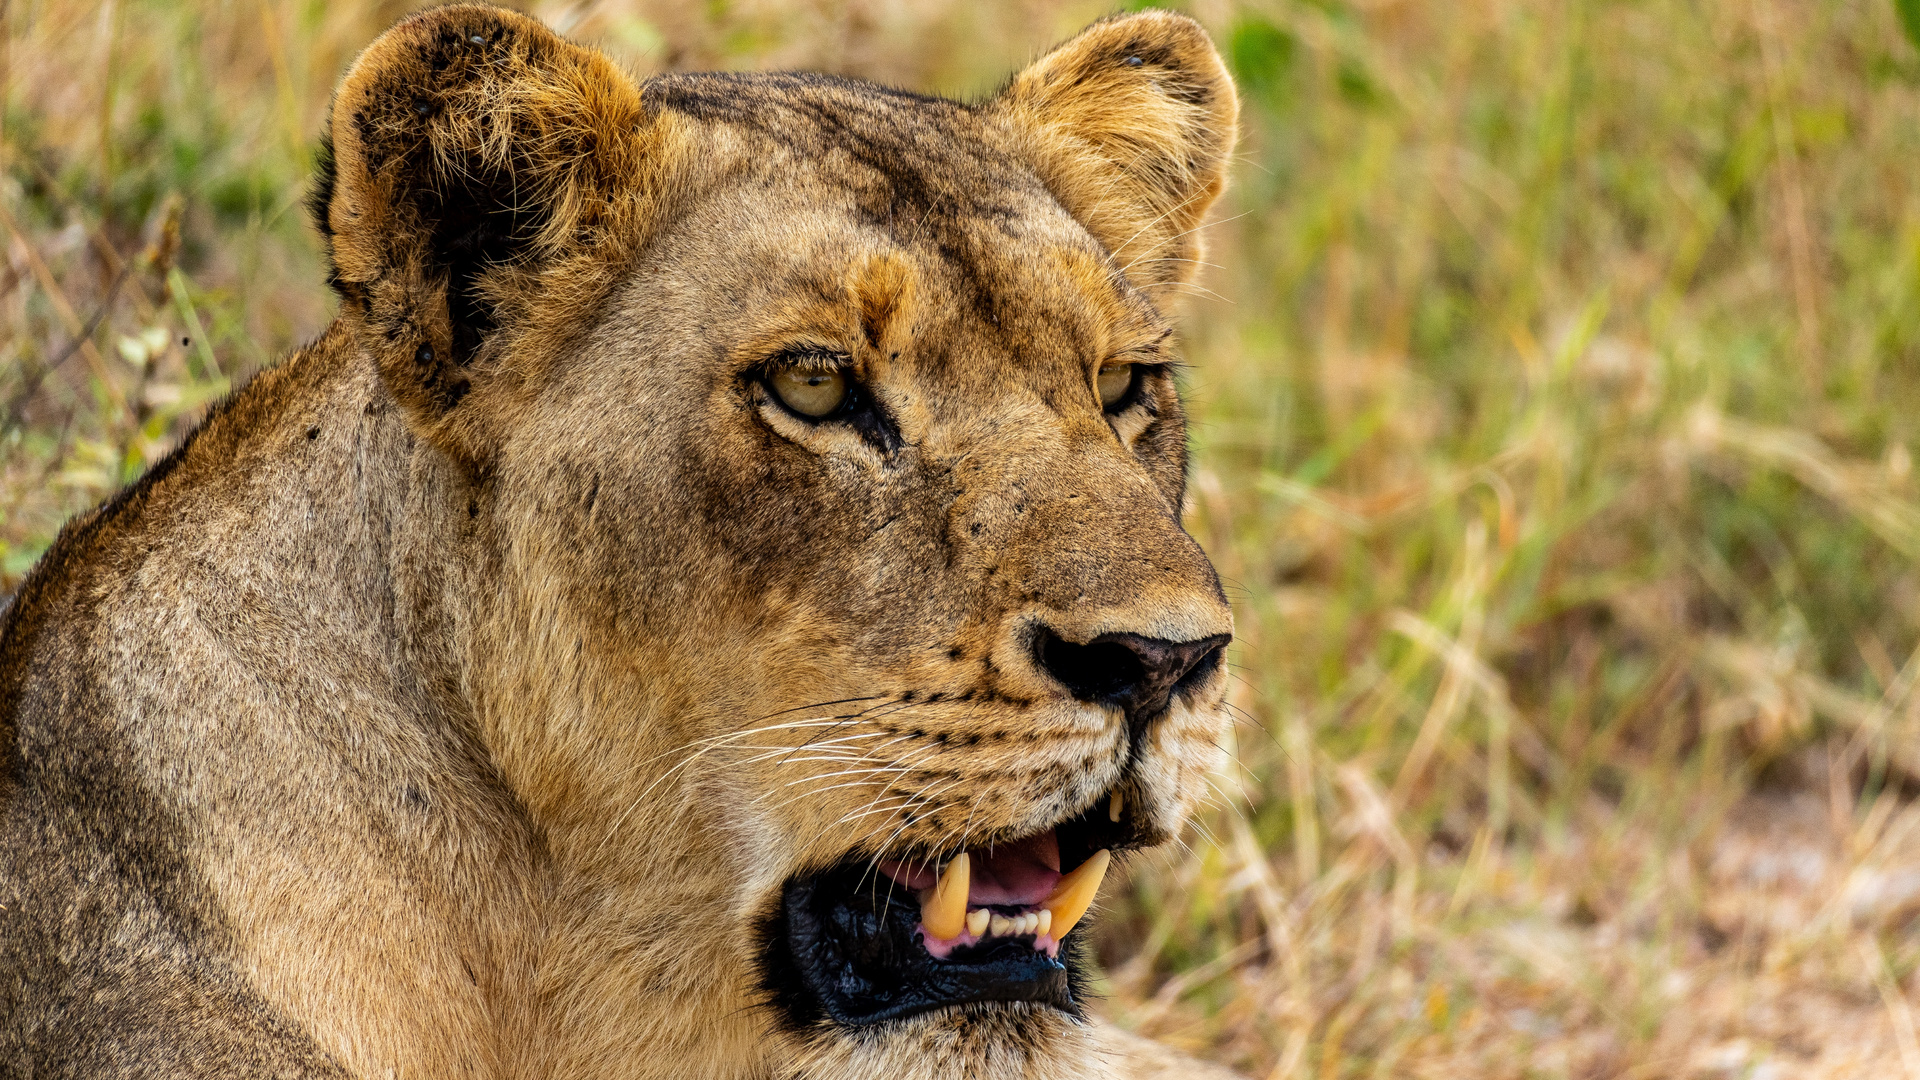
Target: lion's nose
1138, 674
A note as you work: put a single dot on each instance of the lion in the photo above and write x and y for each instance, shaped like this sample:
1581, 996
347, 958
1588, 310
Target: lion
713, 603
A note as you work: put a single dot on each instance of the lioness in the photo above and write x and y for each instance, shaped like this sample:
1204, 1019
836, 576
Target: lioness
710, 605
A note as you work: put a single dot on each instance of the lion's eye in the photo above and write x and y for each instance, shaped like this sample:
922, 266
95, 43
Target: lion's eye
1113, 382
810, 393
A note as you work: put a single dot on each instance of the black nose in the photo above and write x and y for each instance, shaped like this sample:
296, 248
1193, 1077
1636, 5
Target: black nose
1138, 674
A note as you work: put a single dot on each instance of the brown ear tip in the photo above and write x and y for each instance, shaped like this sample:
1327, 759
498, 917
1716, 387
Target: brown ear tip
1157, 26
429, 53
1175, 21
462, 15
414, 37
1151, 40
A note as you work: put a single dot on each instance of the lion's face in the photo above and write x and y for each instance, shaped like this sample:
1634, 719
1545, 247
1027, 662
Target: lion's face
921, 590
837, 540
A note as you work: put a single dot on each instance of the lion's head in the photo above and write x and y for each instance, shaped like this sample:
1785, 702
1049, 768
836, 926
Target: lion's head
819, 466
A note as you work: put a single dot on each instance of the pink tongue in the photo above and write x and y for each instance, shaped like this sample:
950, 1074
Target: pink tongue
1021, 873
1017, 874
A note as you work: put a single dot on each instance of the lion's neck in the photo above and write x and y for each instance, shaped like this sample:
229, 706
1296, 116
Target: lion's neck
643, 968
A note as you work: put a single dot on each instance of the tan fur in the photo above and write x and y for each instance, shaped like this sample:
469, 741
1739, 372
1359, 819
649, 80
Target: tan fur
481, 673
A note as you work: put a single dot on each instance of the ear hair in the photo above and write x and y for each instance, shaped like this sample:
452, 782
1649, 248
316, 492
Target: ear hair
481, 184
1131, 125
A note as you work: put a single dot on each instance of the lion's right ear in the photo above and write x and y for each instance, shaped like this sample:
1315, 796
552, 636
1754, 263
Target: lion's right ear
485, 183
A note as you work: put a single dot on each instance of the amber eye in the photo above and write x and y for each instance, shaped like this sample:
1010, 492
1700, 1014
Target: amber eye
1114, 381
810, 393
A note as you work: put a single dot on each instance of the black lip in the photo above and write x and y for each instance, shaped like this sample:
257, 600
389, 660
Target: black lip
842, 945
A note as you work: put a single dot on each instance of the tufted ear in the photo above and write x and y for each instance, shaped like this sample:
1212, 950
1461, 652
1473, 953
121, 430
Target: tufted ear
482, 185
1131, 125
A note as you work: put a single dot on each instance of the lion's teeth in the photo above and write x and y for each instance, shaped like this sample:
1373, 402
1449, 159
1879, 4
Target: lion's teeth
1114, 806
1075, 893
943, 910
983, 923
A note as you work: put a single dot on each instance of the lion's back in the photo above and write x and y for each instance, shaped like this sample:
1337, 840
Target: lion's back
115, 959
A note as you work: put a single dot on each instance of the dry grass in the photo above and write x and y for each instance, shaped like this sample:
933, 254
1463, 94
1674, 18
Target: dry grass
1556, 397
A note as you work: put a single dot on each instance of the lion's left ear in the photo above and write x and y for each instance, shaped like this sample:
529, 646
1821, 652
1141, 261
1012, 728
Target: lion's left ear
484, 184
1131, 125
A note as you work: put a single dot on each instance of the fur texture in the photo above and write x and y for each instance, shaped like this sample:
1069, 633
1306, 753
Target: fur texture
457, 699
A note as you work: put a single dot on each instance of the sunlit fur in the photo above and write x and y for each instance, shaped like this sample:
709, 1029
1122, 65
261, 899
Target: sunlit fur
478, 693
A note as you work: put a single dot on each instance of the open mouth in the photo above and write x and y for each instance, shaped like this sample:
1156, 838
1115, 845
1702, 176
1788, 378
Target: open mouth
863, 942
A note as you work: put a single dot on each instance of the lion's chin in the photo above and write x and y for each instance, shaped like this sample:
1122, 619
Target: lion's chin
1001, 1041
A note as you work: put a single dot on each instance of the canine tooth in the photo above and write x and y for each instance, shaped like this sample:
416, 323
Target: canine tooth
1043, 923
944, 911
999, 926
1075, 893
977, 920
1114, 806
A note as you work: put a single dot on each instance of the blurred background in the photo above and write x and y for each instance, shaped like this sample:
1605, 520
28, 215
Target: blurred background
1556, 389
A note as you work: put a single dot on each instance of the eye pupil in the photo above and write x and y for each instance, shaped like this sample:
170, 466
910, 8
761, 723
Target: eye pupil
810, 393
